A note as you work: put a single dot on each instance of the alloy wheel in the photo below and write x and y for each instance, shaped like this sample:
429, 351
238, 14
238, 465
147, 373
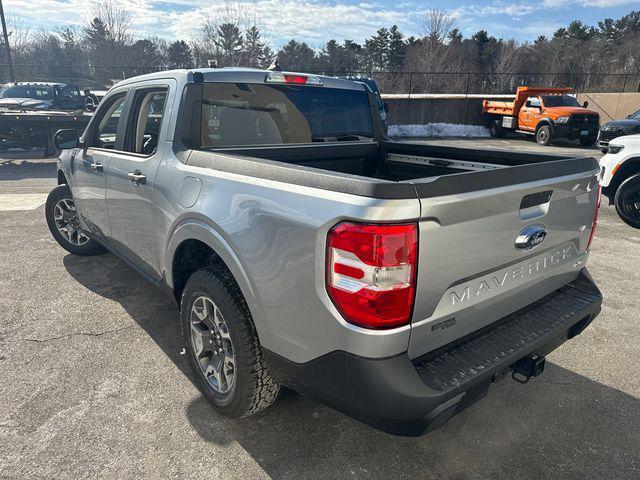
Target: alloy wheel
66, 220
212, 345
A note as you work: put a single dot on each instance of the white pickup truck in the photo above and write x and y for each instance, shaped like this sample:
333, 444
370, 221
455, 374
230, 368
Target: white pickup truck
620, 172
393, 281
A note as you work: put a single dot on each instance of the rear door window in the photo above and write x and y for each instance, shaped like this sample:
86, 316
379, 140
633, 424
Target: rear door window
244, 114
145, 121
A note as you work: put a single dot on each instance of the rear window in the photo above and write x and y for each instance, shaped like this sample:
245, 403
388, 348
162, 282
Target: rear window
242, 114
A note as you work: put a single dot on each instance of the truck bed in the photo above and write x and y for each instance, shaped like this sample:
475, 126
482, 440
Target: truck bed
496, 107
390, 169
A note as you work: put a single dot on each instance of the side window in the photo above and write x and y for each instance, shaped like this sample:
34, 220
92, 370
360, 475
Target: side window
535, 102
146, 120
67, 92
108, 119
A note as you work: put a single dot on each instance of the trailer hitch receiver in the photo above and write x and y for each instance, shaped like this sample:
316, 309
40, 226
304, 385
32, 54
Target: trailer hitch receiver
527, 367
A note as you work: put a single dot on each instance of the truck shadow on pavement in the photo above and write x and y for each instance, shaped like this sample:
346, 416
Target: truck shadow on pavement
559, 425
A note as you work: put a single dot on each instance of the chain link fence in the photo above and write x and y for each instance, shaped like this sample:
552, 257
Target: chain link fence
408, 83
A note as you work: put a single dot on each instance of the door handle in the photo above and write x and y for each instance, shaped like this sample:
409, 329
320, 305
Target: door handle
98, 167
137, 177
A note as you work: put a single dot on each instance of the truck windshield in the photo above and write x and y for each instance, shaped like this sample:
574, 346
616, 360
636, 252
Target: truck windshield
560, 101
26, 91
242, 114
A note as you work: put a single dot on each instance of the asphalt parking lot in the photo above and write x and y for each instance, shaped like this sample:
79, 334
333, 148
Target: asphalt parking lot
93, 383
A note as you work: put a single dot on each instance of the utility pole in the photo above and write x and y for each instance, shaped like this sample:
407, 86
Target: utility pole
6, 43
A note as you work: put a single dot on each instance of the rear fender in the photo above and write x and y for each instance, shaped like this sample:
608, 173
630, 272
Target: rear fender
201, 230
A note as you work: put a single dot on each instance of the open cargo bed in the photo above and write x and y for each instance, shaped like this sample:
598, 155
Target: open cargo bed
390, 169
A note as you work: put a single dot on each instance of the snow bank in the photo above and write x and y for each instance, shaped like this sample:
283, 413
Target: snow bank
438, 130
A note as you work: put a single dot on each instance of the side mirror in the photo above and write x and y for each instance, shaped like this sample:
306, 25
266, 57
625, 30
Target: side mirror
527, 104
585, 104
67, 138
385, 105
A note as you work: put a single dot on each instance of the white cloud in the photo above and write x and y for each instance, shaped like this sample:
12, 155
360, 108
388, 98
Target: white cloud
310, 20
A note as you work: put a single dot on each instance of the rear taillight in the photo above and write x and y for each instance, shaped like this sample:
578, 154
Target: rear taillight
595, 217
371, 272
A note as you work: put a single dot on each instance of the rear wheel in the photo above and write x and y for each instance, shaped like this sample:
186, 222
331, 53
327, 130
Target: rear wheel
495, 129
62, 219
544, 135
223, 346
627, 201
587, 141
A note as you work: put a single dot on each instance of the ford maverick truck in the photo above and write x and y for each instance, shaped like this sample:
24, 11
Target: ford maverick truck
546, 113
392, 281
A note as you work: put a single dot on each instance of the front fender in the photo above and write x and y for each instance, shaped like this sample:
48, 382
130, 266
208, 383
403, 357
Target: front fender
545, 121
65, 172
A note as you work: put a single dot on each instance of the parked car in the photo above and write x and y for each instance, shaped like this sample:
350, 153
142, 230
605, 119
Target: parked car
620, 172
40, 96
618, 128
392, 281
547, 113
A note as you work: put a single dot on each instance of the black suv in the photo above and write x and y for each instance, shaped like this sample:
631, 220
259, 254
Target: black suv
618, 128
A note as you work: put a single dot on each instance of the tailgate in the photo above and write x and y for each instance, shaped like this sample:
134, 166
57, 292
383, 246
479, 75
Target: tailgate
485, 253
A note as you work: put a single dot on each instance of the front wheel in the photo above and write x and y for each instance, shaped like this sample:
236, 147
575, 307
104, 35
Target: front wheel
62, 219
544, 135
627, 201
222, 344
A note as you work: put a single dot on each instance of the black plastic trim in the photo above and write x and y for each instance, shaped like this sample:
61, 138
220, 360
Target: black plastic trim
391, 394
528, 168
301, 175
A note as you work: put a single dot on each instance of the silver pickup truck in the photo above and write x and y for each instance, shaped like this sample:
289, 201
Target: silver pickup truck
392, 281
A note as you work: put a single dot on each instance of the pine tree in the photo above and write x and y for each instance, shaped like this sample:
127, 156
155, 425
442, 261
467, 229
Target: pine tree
255, 51
228, 41
396, 49
297, 56
179, 55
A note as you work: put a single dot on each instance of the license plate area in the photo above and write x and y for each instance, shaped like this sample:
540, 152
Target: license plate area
584, 133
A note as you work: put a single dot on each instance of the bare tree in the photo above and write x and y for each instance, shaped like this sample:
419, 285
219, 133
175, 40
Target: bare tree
437, 24
109, 33
233, 37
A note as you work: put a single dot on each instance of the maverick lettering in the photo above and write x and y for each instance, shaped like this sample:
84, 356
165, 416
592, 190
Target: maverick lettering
503, 279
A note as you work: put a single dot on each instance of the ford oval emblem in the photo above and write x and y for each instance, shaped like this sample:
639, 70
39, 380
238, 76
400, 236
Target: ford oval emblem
531, 237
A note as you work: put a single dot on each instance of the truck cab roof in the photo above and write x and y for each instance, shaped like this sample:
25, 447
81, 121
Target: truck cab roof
238, 74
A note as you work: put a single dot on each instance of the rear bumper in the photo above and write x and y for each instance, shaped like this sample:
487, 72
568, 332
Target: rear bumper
410, 397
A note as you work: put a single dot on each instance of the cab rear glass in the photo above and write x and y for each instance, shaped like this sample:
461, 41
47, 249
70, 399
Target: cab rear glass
244, 114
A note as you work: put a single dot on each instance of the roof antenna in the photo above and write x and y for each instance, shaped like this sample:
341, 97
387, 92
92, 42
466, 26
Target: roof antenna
275, 66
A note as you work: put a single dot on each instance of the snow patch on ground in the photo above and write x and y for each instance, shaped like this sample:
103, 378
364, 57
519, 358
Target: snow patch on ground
438, 130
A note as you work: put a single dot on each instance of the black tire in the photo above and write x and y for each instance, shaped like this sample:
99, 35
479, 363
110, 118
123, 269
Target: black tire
588, 141
62, 192
544, 135
253, 388
495, 128
627, 201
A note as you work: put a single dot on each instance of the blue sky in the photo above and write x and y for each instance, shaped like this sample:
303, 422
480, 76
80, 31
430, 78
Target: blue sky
316, 21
